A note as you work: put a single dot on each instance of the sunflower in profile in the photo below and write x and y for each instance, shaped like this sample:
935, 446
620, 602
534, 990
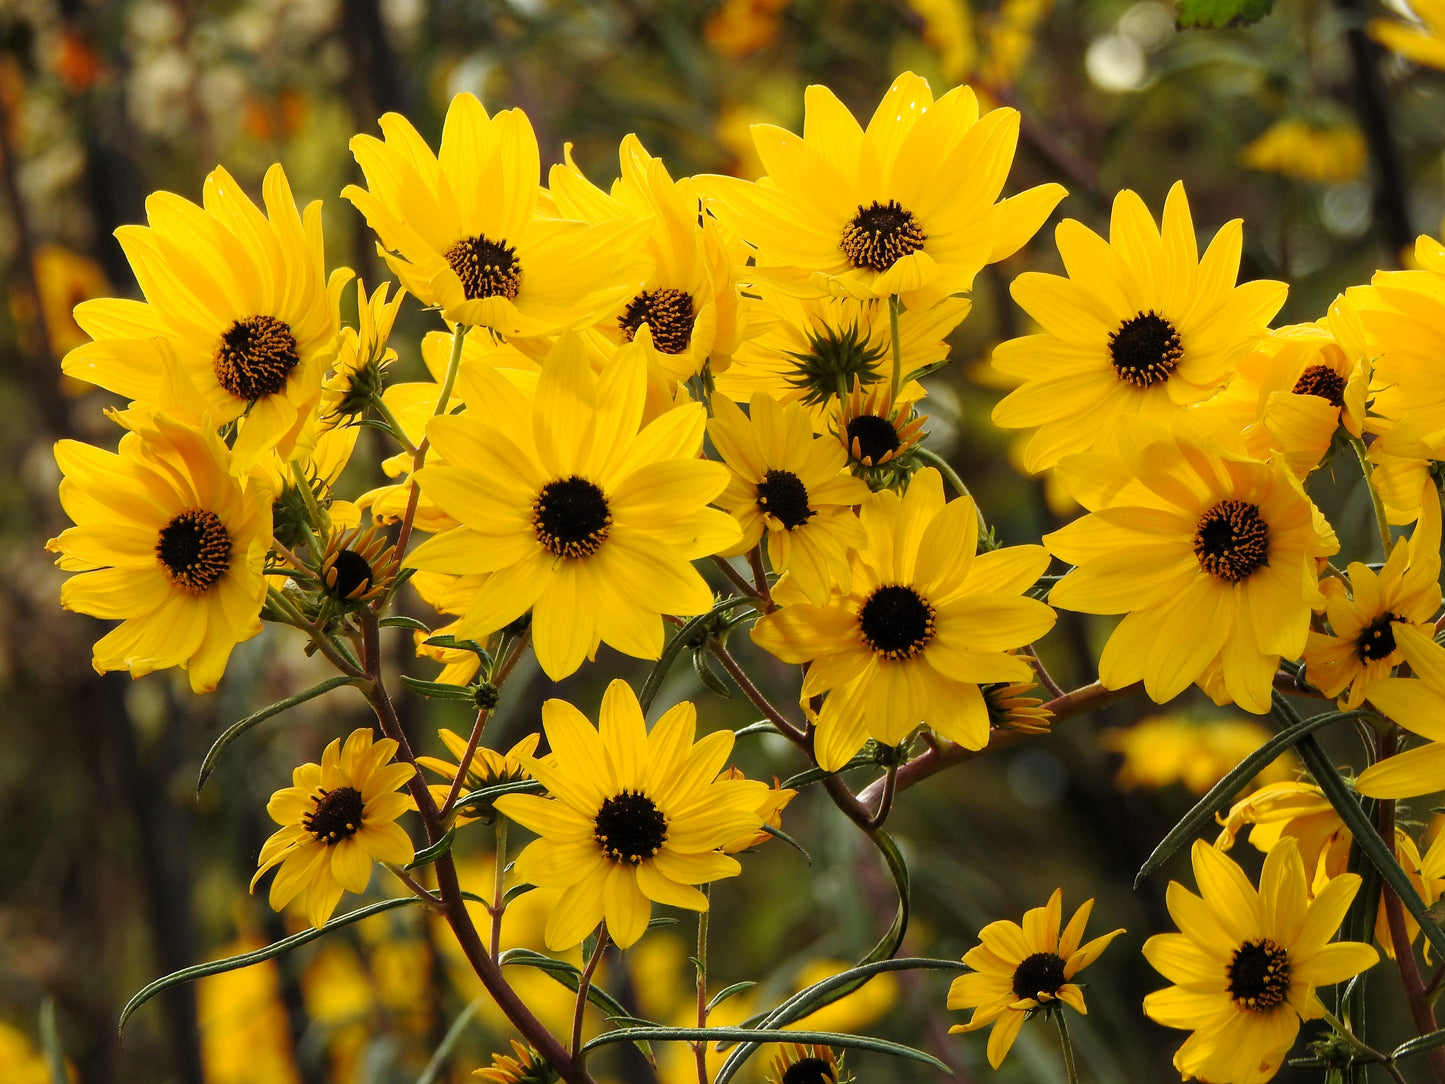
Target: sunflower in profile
1210, 555
523, 1066
167, 541
925, 622
1246, 963
1142, 325
792, 486
1019, 970
577, 511
804, 1063
1360, 647
632, 817
908, 206
461, 228
488, 767
243, 301
336, 818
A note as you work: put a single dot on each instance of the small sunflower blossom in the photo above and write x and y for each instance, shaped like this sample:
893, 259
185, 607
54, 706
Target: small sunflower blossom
1421, 39
804, 1063
877, 429
242, 301
336, 818
1306, 150
523, 1066
169, 542
488, 767
908, 206
1360, 647
1010, 707
1209, 554
1019, 970
1141, 326
925, 622
690, 301
814, 350
1417, 704
792, 486
358, 567
574, 510
462, 229
358, 374
632, 817
1246, 963
1165, 749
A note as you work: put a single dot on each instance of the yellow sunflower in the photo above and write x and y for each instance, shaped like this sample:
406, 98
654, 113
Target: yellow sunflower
1360, 648
1142, 325
1246, 963
632, 817
362, 357
336, 818
461, 227
924, 623
582, 515
523, 1066
488, 767
1418, 704
691, 300
793, 486
804, 1063
243, 301
1404, 314
1421, 40
1328, 152
168, 542
906, 206
1208, 553
1018, 970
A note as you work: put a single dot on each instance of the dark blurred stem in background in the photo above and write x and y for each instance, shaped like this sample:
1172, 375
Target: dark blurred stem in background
1391, 205
372, 90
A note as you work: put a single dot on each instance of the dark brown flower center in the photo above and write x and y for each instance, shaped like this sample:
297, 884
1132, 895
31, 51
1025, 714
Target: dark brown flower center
667, 313
1145, 349
782, 494
1377, 639
896, 621
1232, 541
195, 550
809, 1071
255, 356
571, 517
630, 827
1322, 381
487, 268
349, 575
337, 815
876, 438
1041, 973
878, 236
1259, 975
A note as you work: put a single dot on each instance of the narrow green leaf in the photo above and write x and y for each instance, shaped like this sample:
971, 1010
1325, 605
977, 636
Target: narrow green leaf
1366, 838
235, 730
1219, 14
50, 1043
814, 775
762, 726
1419, 1044
436, 690
269, 952
430, 854
890, 942
727, 992
439, 1057
707, 677
488, 795
570, 976
778, 833
816, 1038
675, 646
400, 621
1222, 793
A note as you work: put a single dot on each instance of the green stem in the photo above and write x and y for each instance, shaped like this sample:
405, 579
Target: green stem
700, 1049
313, 510
1367, 468
1069, 1065
394, 424
894, 307
936, 460
459, 336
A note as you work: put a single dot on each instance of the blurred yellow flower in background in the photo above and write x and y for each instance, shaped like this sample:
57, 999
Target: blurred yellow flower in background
1165, 749
1307, 151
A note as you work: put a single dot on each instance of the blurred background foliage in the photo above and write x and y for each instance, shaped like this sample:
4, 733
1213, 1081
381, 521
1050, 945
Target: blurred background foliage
112, 871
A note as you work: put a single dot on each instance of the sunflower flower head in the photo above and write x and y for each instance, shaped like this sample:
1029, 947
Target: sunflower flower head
523, 1066
804, 1063
359, 566
1418, 704
1018, 970
1246, 963
358, 375
167, 541
488, 767
835, 360
632, 817
877, 432
336, 818
1010, 707
1142, 325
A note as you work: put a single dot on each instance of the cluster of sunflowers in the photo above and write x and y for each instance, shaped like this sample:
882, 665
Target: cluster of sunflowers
718, 374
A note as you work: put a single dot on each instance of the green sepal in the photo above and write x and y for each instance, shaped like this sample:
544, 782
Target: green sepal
235, 730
